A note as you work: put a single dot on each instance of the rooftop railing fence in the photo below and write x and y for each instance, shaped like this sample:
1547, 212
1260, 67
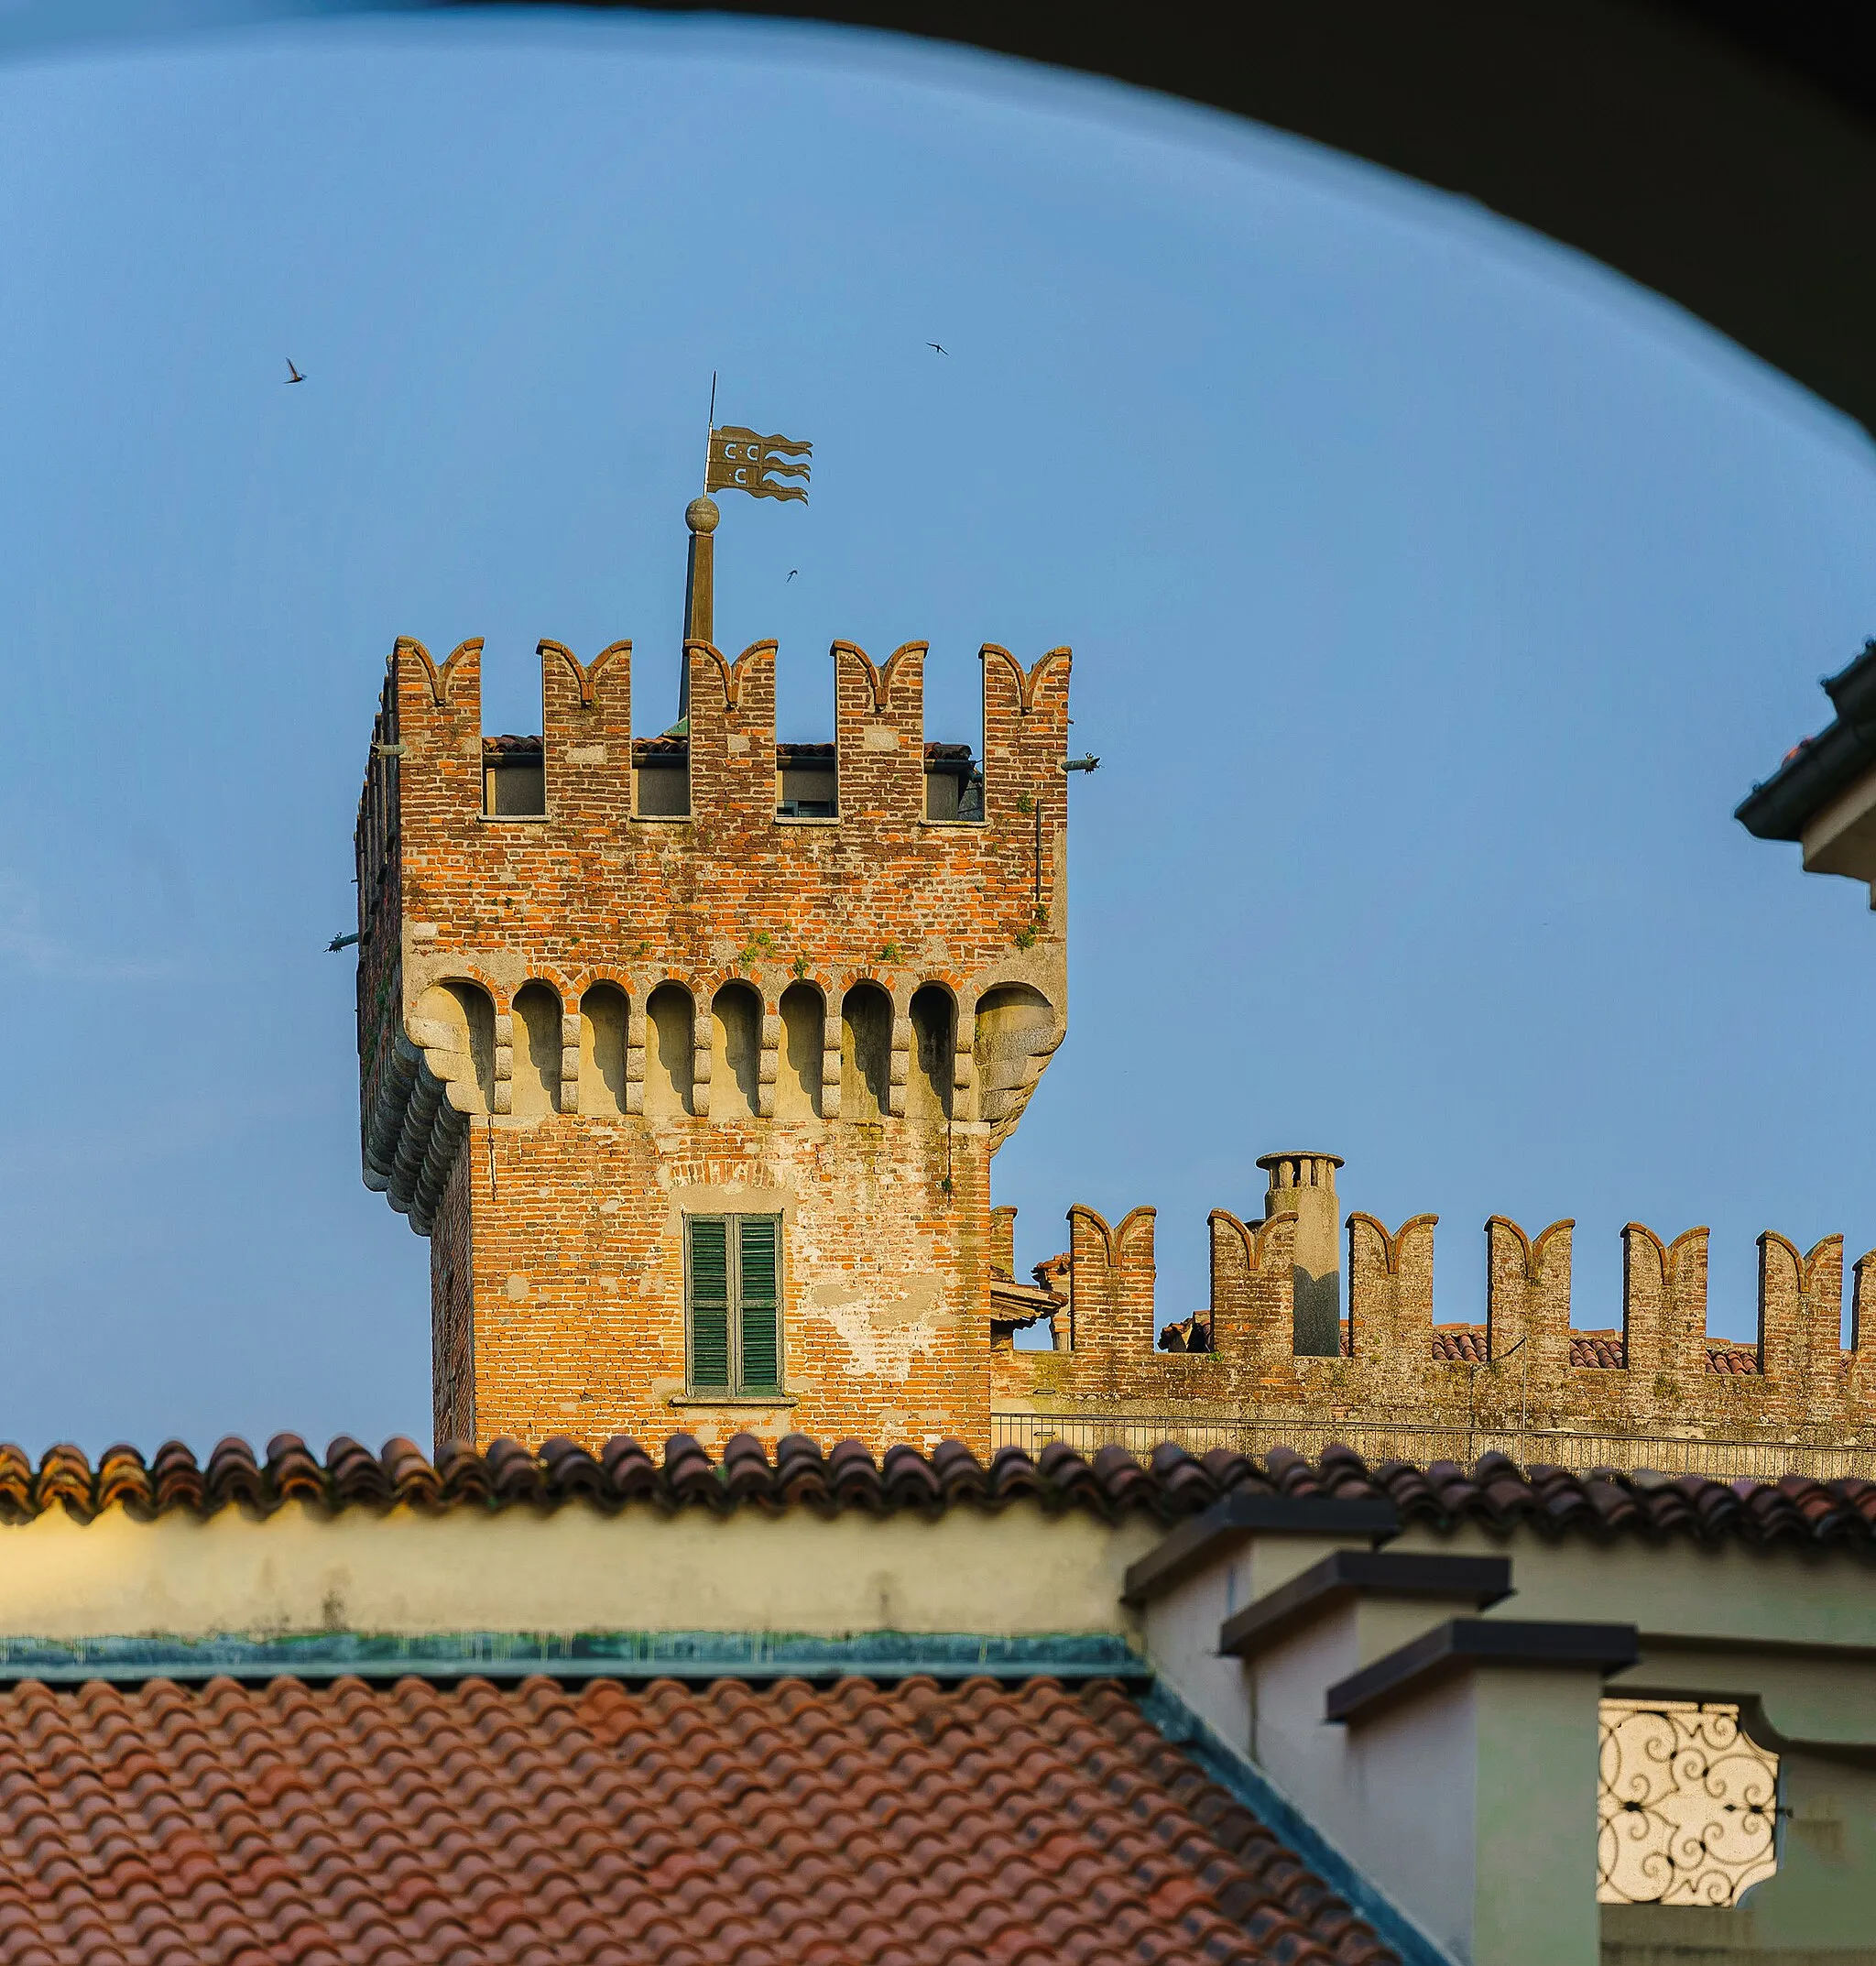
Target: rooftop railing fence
1721, 1461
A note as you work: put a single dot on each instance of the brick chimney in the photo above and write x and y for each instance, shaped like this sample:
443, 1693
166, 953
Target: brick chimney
1303, 1185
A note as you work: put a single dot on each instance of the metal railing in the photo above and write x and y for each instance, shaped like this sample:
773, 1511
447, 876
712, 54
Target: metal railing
1417, 1441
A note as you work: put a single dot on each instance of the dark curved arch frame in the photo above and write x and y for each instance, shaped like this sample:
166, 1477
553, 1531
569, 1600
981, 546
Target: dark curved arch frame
1721, 152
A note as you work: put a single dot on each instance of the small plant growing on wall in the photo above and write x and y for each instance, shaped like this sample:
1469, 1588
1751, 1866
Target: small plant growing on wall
892, 953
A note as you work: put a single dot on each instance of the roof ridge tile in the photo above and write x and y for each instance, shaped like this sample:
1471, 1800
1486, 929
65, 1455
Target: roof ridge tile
798, 1473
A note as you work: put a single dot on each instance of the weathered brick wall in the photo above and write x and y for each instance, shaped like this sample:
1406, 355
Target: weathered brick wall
558, 1270
579, 1277
1797, 1383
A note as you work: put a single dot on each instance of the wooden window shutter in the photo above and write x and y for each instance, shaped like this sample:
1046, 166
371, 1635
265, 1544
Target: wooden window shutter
758, 1303
708, 1281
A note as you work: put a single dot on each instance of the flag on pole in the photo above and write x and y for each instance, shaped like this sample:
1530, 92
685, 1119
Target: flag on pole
740, 460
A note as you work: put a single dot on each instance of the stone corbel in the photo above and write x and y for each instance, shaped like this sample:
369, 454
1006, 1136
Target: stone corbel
830, 1068
570, 1062
768, 1066
900, 1066
700, 1035
635, 1059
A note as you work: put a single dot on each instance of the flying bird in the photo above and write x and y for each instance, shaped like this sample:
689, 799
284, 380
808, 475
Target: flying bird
293, 375
941, 348
791, 572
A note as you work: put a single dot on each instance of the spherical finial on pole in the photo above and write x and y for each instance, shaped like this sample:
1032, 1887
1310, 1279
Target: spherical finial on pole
700, 581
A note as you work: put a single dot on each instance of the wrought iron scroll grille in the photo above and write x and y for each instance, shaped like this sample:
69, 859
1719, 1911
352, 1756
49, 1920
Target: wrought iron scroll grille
1687, 1805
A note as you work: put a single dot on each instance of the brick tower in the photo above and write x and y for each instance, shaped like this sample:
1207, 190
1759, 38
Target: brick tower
689, 1052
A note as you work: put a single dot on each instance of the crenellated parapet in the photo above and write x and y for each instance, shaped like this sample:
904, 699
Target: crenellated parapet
594, 857
1111, 1271
1801, 1316
1528, 1295
1528, 1369
1390, 1288
1253, 1292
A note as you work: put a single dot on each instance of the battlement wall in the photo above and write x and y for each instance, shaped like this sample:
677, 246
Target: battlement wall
591, 907
728, 749
1526, 1368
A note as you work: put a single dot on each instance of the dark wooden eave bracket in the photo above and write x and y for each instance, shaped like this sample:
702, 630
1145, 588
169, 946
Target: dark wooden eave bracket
1348, 1574
1462, 1643
1234, 1520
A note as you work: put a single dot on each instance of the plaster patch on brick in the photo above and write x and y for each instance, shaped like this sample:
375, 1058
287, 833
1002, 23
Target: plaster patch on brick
882, 1331
727, 1197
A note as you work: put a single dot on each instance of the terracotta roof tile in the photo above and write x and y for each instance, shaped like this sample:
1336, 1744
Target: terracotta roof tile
849, 1824
801, 1474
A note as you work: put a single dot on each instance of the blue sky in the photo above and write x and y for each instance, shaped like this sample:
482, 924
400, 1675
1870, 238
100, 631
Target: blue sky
1434, 596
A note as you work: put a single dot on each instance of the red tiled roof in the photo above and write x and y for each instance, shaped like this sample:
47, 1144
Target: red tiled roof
1601, 1351
848, 1825
1014, 1303
1465, 1344
1607, 1351
1110, 1483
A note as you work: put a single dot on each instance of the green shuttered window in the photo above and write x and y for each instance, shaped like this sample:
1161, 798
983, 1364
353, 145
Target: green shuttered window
733, 1284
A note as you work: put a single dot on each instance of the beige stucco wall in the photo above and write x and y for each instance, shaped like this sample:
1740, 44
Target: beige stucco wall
1793, 1628
1017, 1572
1733, 1590
1786, 1631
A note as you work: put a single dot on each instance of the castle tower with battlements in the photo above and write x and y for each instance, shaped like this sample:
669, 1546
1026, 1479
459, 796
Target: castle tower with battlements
689, 1052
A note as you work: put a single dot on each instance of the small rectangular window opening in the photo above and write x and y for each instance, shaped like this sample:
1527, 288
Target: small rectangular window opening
954, 783
662, 774
733, 1304
807, 785
514, 777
